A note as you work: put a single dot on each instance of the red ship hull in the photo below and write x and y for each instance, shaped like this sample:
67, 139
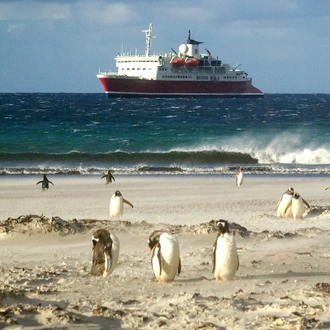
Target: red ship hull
135, 87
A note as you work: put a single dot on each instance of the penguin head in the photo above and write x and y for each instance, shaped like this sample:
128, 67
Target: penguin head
296, 196
118, 193
154, 239
223, 226
290, 191
102, 236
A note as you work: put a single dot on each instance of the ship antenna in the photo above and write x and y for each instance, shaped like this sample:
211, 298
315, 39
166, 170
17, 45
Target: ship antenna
148, 39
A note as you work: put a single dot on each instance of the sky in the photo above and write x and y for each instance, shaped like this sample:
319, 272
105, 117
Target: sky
60, 45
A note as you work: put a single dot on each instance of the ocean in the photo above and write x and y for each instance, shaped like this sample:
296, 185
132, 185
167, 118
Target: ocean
280, 134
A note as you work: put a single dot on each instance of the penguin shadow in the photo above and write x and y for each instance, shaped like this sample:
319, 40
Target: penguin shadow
288, 274
192, 279
316, 211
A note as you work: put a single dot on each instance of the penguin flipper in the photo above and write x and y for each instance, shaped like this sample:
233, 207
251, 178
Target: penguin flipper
38, 182
306, 203
278, 203
290, 204
214, 254
107, 261
127, 202
160, 260
112, 177
179, 268
103, 176
51, 183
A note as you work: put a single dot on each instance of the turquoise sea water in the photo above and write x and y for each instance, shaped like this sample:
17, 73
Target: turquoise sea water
88, 134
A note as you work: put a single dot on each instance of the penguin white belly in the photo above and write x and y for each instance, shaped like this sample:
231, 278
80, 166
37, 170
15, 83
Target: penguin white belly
116, 208
167, 266
283, 211
239, 179
111, 261
297, 208
226, 258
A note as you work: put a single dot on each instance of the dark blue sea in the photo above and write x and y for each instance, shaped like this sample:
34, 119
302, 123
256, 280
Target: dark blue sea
89, 134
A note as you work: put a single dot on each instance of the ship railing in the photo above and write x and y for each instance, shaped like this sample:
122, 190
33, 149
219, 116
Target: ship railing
108, 73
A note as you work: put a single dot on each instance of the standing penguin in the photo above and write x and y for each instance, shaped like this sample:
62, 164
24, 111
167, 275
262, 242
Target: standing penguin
239, 177
224, 255
105, 252
297, 204
165, 260
116, 208
109, 177
45, 183
283, 211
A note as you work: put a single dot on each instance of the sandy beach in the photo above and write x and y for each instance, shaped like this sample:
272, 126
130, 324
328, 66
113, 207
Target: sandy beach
46, 254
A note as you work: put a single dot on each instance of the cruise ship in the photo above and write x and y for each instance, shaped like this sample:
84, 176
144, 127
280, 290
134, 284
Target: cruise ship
182, 73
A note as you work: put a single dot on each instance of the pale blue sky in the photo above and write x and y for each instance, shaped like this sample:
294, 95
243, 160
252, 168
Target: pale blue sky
59, 46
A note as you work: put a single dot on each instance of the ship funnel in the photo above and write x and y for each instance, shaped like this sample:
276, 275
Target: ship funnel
193, 46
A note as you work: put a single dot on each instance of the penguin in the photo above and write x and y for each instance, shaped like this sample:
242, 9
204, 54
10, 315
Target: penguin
239, 177
297, 204
165, 259
224, 254
105, 252
109, 177
116, 208
327, 188
45, 183
283, 211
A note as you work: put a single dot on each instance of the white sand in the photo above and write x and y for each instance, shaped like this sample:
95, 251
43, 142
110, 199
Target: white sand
45, 281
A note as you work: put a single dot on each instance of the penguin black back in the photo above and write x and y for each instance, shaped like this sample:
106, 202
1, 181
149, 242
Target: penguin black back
45, 182
154, 239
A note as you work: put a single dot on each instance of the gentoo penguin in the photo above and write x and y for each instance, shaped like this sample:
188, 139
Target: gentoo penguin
109, 177
239, 177
297, 204
45, 183
165, 260
283, 211
224, 255
105, 252
116, 208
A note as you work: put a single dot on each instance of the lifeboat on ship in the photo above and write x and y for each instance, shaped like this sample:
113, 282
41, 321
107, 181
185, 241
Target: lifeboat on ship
192, 62
178, 61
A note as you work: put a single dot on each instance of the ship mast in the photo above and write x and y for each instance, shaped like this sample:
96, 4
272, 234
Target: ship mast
148, 39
